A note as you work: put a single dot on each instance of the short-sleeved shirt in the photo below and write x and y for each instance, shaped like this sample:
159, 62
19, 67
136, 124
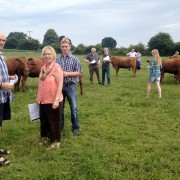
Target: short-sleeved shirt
155, 70
90, 57
106, 65
131, 54
70, 63
5, 96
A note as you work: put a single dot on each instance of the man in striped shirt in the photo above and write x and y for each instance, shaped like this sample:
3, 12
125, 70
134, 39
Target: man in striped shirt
5, 96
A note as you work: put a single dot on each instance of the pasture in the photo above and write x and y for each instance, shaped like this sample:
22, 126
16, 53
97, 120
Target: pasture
122, 134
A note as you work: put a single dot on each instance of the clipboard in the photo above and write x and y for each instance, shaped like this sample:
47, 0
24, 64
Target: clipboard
34, 111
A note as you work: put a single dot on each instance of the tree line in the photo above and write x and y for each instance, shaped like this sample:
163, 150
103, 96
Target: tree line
161, 41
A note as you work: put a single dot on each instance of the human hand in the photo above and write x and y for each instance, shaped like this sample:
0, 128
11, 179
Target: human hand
7, 86
55, 104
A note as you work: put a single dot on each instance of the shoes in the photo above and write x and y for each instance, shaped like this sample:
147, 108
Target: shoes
3, 161
100, 83
4, 152
75, 132
44, 141
54, 145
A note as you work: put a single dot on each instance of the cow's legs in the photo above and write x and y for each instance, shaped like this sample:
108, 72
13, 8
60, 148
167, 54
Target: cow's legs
81, 85
134, 71
117, 70
162, 77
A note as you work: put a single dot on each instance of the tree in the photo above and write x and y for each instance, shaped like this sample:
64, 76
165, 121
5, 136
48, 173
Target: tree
177, 46
13, 39
29, 44
50, 37
163, 42
109, 42
80, 49
11, 43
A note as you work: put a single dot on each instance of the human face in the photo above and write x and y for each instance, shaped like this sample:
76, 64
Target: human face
48, 56
2, 41
106, 52
65, 48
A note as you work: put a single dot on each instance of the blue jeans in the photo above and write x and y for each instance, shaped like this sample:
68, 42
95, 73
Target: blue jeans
105, 71
71, 94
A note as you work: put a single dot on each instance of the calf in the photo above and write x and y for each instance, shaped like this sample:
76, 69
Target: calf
124, 62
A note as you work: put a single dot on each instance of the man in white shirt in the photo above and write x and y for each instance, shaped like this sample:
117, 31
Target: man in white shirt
132, 53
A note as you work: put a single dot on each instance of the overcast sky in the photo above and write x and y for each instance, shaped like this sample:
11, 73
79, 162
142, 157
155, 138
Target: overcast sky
89, 21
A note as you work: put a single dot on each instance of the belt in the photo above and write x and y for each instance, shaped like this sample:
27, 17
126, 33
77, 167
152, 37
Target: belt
68, 84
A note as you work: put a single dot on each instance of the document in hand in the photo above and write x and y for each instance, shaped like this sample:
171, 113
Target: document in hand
106, 58
14, 81
33, 111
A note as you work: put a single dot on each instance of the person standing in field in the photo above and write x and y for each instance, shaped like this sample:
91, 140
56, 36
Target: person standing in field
155, 72
138, 63
72, 70
132, 53
5, 96
50, 99
93, 60
106, 66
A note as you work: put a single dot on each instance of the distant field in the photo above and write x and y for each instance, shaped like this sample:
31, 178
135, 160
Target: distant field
122, 134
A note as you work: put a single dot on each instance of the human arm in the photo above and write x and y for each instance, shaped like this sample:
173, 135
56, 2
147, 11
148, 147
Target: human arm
59, 80
6, 86
87, 61
98, 61
76, 73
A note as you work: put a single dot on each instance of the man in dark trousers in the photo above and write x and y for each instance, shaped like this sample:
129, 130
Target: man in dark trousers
5, 96
93, 60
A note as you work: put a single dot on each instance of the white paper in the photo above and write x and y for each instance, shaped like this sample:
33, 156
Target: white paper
14, 81
106, 58
34, 111
93, 61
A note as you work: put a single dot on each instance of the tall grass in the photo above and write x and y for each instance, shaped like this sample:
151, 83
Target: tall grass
122, 134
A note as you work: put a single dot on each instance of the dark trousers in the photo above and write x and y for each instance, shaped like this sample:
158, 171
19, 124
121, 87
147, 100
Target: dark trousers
5, 112
106, 71
50, 122
92, 69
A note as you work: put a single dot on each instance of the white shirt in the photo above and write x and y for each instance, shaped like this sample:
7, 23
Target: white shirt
131, 54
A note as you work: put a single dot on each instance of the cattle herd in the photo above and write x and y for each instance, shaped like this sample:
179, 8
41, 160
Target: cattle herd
30, 67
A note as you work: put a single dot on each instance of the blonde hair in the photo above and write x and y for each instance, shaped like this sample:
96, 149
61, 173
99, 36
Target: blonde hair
51, 49
65, 40
157, 57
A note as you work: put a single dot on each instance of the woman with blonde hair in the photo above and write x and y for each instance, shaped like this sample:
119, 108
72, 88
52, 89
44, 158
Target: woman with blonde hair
155, 72
50, 99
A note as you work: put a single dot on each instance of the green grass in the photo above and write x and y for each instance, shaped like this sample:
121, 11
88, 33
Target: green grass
122, 134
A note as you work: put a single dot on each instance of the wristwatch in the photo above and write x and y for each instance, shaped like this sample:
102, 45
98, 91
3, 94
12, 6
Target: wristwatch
57, 99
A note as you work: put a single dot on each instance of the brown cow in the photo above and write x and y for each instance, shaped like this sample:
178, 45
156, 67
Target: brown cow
31, 68
14, 67
124, 62
171, 66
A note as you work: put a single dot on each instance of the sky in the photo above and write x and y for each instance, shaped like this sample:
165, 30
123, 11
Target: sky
87, 22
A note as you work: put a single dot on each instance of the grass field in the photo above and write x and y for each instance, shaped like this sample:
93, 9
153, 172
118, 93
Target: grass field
122, 134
